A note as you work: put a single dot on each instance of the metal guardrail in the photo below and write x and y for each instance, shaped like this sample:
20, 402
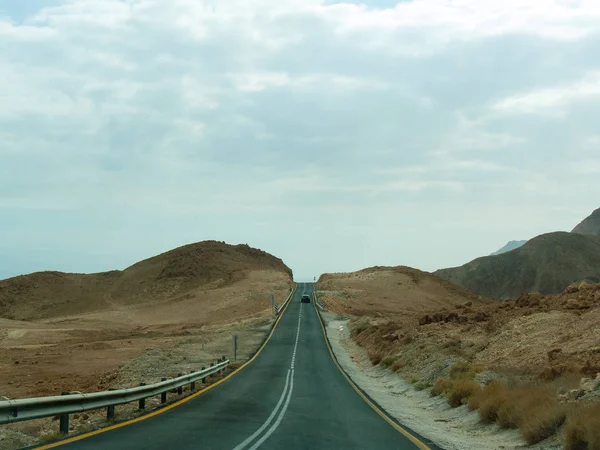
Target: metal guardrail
279, 308
62, 405
316, 300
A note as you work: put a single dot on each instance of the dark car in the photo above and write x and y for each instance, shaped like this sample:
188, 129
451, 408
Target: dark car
305, 298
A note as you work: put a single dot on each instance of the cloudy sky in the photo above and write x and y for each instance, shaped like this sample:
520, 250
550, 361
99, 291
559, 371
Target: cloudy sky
333, 135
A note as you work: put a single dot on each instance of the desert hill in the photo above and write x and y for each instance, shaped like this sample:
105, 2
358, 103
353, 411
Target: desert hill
399, 292
177, 274
590, 225
546, 264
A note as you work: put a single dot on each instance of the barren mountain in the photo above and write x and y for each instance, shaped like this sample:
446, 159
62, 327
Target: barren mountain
184, 272
546, 264
590, 225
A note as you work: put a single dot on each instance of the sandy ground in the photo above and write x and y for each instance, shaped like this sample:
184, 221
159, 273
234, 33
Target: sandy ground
450, 428
126, 345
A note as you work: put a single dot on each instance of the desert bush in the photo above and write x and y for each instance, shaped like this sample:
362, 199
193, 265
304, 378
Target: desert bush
460, 391
359, 326
534, 410
542, 421
464, 371
490, 400
582, 430
388, 361
375, 358
421, 385
397, 365
440, 387
523, 401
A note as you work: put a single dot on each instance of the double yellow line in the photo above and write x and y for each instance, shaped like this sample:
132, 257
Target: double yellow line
177, 403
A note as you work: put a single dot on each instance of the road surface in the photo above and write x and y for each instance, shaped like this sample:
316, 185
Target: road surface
292, 396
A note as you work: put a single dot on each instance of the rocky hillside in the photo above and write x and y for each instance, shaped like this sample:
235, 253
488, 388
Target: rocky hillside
546, 264
176, 274
590, 225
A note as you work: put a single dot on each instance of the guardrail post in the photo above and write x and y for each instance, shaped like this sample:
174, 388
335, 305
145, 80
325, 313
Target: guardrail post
64, 420
110, 412
163, 395
142, 401
180, 388
193, 383
203, 379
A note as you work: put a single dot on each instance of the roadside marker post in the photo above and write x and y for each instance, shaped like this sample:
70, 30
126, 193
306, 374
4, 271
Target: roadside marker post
235, 347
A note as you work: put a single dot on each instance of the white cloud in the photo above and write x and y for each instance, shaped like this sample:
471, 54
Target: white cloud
189, 118
551, 100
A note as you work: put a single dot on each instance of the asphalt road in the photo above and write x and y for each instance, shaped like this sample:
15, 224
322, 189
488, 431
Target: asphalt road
292, 396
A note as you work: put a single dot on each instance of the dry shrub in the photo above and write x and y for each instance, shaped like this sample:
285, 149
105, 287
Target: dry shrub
387, 362
523, 402
375, 358
582, 430
464, 371
535, 411
460, 391
441, 386
360, 325
490, 400
397, 365
542, 421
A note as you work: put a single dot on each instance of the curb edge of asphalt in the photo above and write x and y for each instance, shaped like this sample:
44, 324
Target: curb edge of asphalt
412, 436
178, 402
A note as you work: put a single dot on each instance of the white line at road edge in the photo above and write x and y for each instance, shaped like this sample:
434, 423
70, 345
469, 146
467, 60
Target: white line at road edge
289, 380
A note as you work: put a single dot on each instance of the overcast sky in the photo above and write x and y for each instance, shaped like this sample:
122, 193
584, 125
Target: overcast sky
334, 135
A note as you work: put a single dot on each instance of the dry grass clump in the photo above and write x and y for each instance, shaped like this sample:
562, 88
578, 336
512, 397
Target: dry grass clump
358, 326
461, 391
582, 430
375, 357
397, 365
441, 386
388, 361
534, 410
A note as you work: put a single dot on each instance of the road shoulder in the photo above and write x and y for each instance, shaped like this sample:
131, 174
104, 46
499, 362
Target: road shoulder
450, 428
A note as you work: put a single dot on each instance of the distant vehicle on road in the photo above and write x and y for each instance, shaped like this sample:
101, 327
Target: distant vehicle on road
305, 298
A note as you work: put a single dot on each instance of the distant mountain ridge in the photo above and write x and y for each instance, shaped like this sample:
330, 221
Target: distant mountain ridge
512, 245
590, 225
547, 264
